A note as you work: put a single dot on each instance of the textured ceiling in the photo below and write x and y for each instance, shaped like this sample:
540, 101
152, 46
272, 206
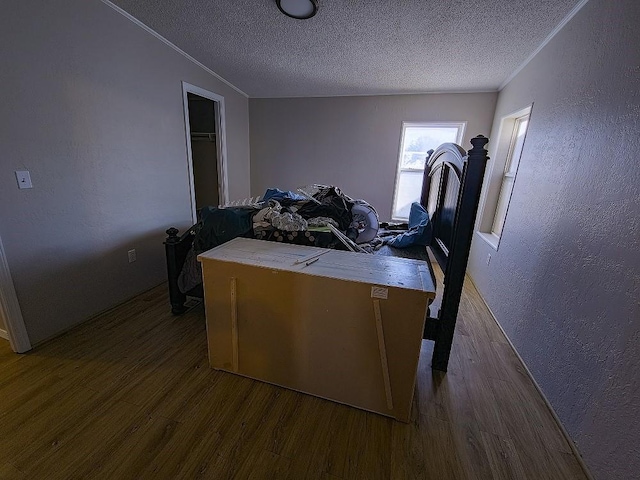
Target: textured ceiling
356, 47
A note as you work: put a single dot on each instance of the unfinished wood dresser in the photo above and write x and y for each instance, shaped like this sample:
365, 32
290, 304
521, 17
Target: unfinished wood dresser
339, 325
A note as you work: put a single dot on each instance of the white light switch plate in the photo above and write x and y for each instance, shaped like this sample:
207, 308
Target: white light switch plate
24, 179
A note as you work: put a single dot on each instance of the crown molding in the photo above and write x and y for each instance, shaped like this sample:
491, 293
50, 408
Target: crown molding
553, 33
168, 43
384, 94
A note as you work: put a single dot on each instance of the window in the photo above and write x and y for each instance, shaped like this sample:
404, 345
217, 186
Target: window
510, 168
417, 139
513, 130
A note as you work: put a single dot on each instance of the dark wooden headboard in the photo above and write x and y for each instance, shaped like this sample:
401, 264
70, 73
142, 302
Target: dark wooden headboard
451, 189
440, 191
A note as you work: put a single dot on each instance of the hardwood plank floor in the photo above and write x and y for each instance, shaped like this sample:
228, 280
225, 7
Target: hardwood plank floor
130, 395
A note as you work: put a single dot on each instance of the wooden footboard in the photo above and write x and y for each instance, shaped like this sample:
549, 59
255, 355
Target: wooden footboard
176, 248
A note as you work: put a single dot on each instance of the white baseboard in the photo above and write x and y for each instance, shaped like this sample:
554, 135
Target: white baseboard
4, 334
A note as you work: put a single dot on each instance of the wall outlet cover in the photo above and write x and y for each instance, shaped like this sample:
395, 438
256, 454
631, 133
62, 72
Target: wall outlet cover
24, 179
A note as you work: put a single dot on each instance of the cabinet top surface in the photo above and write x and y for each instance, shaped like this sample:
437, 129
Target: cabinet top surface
357, 267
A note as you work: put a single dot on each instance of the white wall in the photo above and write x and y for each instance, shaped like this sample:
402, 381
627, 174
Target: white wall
351, 142
92, 106
565, 282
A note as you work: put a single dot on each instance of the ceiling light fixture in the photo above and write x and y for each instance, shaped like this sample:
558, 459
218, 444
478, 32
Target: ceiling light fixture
300, 9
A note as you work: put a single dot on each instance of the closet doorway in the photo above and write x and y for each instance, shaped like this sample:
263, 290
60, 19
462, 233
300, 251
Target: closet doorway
11, 321
204, 121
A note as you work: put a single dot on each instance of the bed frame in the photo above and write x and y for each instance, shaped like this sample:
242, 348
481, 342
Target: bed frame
176, 248
451, 189
450, 193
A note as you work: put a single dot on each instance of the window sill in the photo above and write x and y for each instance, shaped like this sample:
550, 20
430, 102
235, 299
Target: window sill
492, 239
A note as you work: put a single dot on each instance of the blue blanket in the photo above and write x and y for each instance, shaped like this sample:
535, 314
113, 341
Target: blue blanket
420, 229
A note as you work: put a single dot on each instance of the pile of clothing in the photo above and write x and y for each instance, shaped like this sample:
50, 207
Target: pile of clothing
322, 216
282, 216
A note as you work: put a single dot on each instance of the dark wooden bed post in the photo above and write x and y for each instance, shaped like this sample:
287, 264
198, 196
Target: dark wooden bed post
426, 186
176, 297
472, 178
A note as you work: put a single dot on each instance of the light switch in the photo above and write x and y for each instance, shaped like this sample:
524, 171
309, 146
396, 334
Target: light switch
24, 179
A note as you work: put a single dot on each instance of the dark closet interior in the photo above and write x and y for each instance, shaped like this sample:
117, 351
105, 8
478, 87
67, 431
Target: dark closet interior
204, 150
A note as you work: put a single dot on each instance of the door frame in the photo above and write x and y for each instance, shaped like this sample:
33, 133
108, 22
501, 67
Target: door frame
10, 308
221, 144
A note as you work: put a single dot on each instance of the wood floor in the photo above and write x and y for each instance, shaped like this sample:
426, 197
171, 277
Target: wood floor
129, 395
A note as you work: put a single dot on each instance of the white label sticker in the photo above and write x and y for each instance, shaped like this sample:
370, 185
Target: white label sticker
379, 292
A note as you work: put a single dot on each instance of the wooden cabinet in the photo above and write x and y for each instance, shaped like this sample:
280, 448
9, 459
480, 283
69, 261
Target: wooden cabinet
339, 325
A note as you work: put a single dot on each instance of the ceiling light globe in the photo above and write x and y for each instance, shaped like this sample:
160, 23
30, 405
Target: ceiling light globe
300, 9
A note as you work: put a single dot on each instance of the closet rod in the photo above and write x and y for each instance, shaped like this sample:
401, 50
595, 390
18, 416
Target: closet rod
210, 136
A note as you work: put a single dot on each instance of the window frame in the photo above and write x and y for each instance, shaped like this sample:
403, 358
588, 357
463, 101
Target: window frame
461, 126
502, 170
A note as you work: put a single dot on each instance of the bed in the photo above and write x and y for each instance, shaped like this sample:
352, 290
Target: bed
451, 189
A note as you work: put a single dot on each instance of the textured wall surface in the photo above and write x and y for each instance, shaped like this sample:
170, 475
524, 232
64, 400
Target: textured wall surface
565, 282
351, 142
92, 106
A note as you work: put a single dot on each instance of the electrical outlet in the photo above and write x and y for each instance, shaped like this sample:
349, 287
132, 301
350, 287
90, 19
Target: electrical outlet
132, 255
488, 259
24, 179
